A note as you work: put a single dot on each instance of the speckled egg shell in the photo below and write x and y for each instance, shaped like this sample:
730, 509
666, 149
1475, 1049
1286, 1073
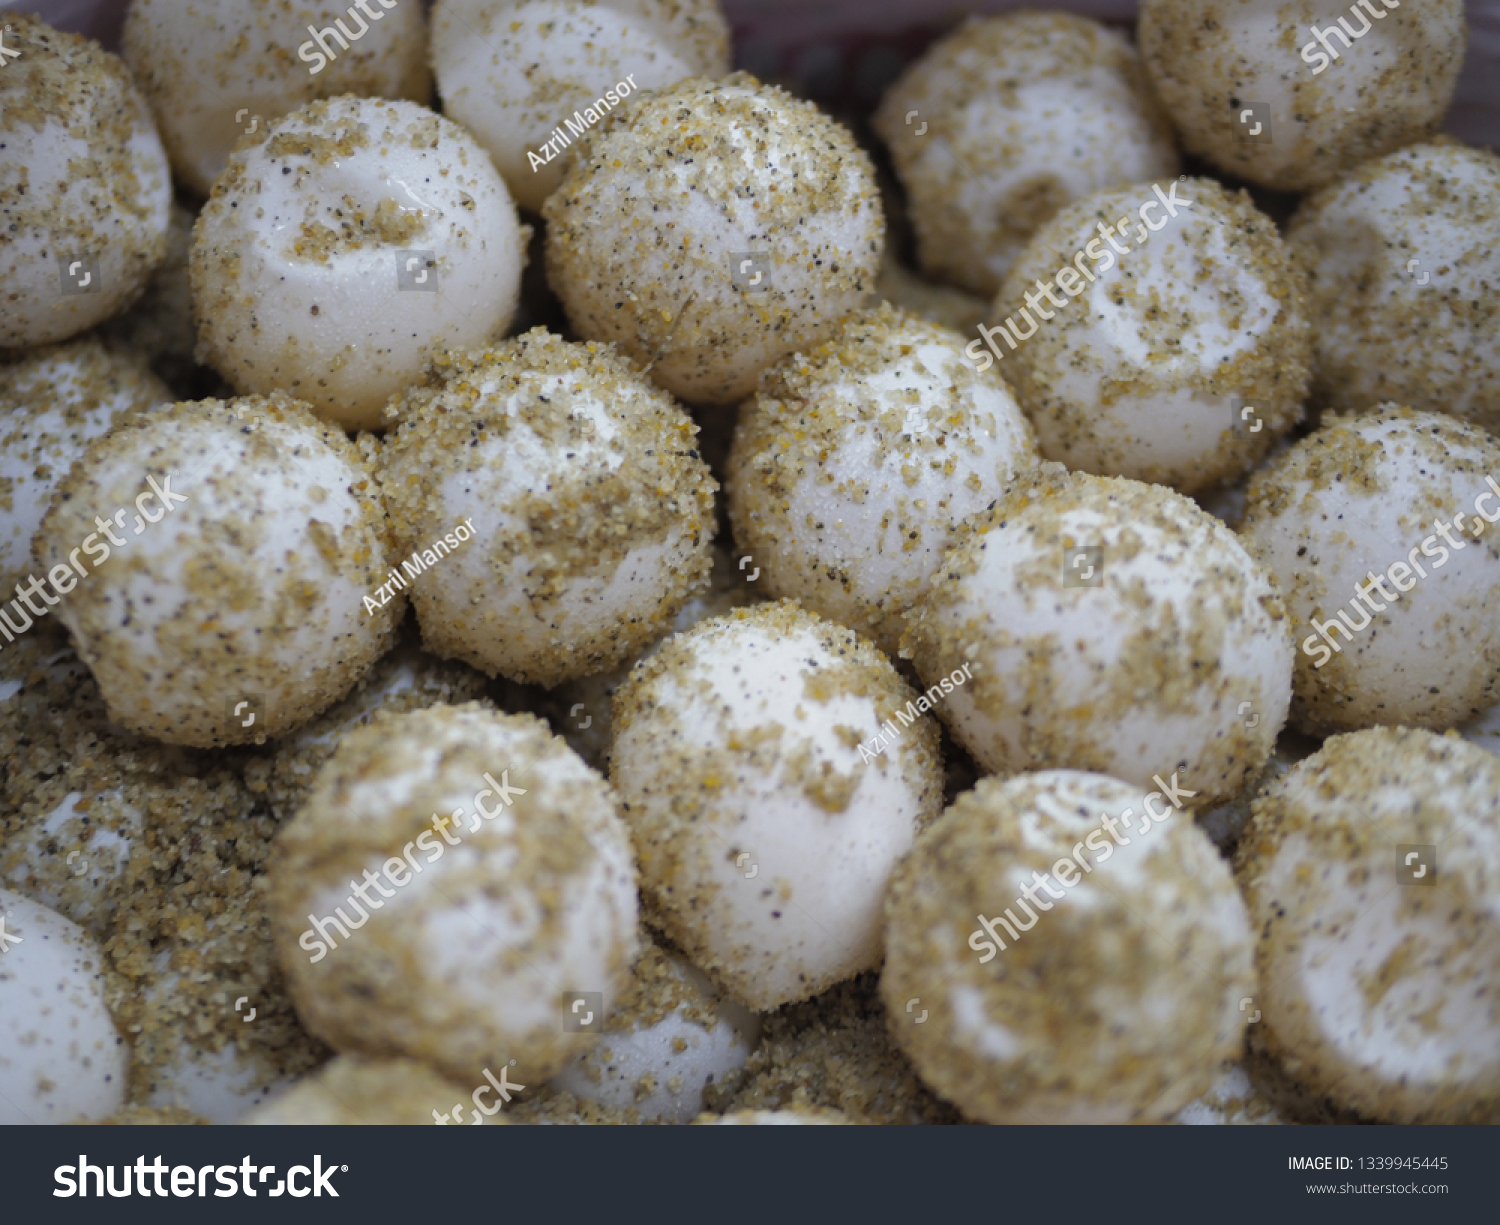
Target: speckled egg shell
1015, 117
1141, 961
1242, 80
1110, 626
1357, 498
765, 825
344, 245
712, 228
1179, 361
247, 589
1372, 873
855, 463
84, 185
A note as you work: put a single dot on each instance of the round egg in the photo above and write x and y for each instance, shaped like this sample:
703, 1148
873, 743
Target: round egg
1189, 351
855, 463
1374, 528
1139, 960
344, 245
514, 73
54, 402
1109, 626
590, 509
355, 1090
226, 609
514, 895
61, 1060
214, 70
1288, 94
1402, 257
711, 229
773, 767
672, 1037
1371, 875
1005, 121
84, 185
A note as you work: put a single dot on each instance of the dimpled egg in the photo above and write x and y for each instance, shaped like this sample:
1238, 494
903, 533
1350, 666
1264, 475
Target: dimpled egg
855, 463
230, 576
344, 244
1402, 256
216, 69
54, 402
1140, 960
84, 185
1372, 873
1188, 350
766, 801
1111, 626
1377, 531
61, 1060
672, 1036
1005, 121
1254, 89
711, 229
512, 890
590, 508
514, 73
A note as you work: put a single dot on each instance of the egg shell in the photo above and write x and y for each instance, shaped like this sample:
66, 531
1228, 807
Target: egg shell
84, 186
343, 246
1402, 255
246, 591
590, 508
356, 1090
672, 1037
1376, 989
1356, 498
1015, 117
1178, 360
647, 235
765, 827
1141, 962
855, 463
471, 962
513, 73
54, 402
1110, 626
1212, 61
61, 1060
215, 70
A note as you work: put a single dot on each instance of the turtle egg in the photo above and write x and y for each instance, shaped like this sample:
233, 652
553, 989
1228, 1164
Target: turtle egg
344, 245
61, 1060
